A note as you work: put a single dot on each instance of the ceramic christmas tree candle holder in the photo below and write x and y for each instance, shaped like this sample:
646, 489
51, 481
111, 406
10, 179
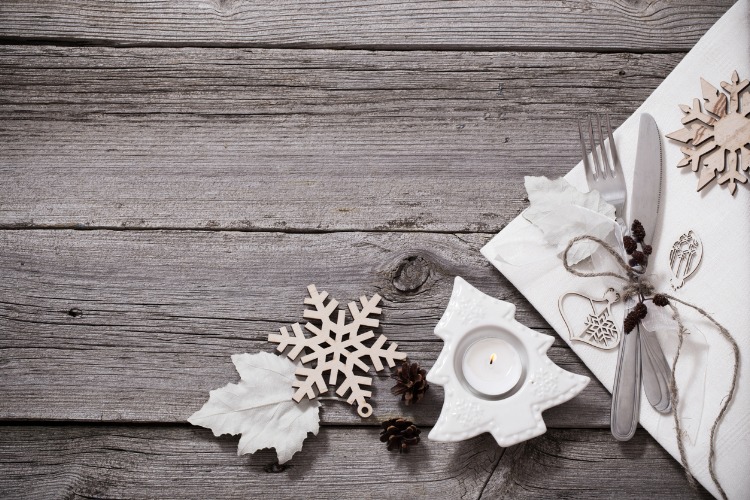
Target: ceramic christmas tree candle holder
495, 371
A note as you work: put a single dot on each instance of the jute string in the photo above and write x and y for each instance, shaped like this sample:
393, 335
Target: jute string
635, 285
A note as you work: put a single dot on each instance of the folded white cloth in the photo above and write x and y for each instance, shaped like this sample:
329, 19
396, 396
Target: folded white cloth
721, 284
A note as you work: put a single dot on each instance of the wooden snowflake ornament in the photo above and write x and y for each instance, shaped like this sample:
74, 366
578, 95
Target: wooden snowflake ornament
717, 138
336, 347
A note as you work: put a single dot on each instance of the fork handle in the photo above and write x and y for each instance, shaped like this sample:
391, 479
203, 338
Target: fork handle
626, 393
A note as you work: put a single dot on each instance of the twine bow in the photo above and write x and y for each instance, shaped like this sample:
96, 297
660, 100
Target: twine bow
641, 287
636, 285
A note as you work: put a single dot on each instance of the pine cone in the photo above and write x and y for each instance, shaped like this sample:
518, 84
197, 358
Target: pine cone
647, 249
631, 321
640, 310
638, 231
411, 382
660, 300
399, 434
630, 244
639, 257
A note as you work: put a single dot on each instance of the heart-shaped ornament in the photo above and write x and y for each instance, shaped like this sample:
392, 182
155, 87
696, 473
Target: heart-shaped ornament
590, 320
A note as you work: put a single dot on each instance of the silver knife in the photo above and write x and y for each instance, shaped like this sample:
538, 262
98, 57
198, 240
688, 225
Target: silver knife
645, 204
646, 207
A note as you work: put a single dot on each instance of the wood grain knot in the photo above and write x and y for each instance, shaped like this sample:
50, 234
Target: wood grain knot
412, 273
75, 312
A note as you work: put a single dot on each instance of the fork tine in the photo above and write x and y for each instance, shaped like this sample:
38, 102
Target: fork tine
613, 149
605, 156
590, 175
598, 169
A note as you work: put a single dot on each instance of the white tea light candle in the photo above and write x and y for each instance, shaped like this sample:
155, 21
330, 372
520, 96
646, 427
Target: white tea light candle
492, 366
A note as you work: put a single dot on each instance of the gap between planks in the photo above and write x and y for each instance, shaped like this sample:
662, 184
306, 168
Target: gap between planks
429, 47
81, 227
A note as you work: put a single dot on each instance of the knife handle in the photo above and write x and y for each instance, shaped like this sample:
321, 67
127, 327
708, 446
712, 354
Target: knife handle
650, 376
626, 393
662, 373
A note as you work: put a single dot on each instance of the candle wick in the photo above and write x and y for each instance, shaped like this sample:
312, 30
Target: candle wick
492, 358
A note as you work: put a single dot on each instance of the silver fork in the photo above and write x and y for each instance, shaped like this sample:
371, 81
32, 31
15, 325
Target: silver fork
626, 389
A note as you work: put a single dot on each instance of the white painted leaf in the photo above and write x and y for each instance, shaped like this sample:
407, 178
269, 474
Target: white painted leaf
562, 212
260, 407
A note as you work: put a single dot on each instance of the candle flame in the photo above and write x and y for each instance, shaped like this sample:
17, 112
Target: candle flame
493, 357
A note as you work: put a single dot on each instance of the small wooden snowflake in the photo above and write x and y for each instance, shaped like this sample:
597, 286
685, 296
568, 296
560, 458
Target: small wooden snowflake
601, 328
717, 137
337, 347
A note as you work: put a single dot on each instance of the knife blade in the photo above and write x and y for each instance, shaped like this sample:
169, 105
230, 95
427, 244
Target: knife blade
645, 204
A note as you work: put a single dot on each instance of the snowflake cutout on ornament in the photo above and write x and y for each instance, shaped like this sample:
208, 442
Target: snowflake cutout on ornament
336, 347
717, 138
601, 328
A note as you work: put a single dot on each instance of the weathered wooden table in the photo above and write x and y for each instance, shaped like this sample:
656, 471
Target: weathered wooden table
173, 175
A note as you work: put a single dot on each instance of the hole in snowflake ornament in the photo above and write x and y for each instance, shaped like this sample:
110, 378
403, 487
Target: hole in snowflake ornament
717, 137
337, 348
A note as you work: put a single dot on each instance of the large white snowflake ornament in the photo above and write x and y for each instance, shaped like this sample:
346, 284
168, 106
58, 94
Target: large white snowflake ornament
717, 138
336, 347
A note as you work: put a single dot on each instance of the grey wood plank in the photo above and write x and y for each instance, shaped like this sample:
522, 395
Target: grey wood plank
183, 462
662, 25
140, 325
295, 140
589, 465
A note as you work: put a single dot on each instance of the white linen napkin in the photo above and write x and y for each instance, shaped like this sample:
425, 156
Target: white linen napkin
721, 285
